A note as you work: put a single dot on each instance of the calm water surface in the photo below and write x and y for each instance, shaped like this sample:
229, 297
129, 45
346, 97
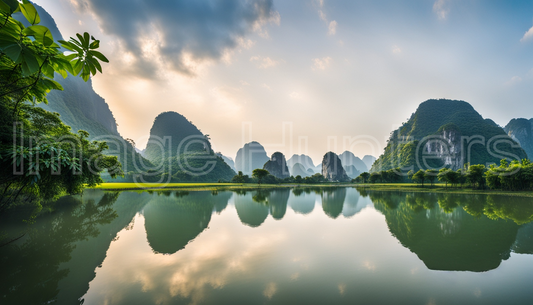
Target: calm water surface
289, 246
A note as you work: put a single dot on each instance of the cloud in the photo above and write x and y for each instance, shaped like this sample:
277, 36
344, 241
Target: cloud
440, 7
332, 25
514, 80
264, 62
528, 35
182, 34
295, 96
396, 49
266, 87
322, 63
270, 290
332, 29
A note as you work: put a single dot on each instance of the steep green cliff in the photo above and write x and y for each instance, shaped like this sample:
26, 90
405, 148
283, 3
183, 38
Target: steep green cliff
446, 133
183, 152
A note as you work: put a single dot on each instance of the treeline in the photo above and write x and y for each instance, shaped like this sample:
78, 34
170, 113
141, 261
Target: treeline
270, 179
511, 176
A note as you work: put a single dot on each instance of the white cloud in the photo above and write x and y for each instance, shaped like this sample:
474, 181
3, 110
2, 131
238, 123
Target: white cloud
440, 7
528, 35
396, 49
332, 29
332, 25
514, 80
295, 96
322, 63
264, 62
266, 87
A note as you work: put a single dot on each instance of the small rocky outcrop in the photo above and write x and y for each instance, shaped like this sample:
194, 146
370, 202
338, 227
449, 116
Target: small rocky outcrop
277, 166
332, 168
521, 130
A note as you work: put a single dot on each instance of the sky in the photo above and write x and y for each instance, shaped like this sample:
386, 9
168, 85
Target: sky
304, 76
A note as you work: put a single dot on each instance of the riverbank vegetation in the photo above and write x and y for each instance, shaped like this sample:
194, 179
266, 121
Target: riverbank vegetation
508, 176
40, 158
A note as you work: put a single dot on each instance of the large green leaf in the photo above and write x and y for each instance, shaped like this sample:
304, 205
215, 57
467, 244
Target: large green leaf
12, 51
29, 11
52, 84
12, 4
4, 8
41, 34
31, 61
99, 55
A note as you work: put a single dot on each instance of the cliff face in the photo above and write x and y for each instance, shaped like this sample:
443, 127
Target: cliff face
332, 168
250, 157
446, 133
277, 166
446, 149
521, 130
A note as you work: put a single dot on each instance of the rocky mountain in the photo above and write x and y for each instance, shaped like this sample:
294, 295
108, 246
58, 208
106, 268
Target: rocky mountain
171, 135
277, 166
229, 161
521, 130
184, 152
348, 158
332, 168
369, 161
304, 160
446, 133
299, 170
352, 171
251, 156
82, 108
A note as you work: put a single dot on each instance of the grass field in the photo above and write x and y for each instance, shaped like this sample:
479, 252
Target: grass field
398, 187
199, 186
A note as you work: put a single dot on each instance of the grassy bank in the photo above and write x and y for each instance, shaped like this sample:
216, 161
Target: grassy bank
202, 186
438, 188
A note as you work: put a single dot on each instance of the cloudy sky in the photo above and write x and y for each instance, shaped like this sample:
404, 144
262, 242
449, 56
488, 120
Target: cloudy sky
304, 76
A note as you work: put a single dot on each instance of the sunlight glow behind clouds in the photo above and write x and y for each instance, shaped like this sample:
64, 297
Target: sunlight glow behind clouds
188, 32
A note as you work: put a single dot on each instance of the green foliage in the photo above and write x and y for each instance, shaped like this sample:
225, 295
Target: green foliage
259, 174
47, 159
419, 177
514, 176
431, 175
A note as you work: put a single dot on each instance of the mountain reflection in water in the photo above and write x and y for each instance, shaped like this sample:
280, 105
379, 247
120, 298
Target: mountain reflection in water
174, 247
